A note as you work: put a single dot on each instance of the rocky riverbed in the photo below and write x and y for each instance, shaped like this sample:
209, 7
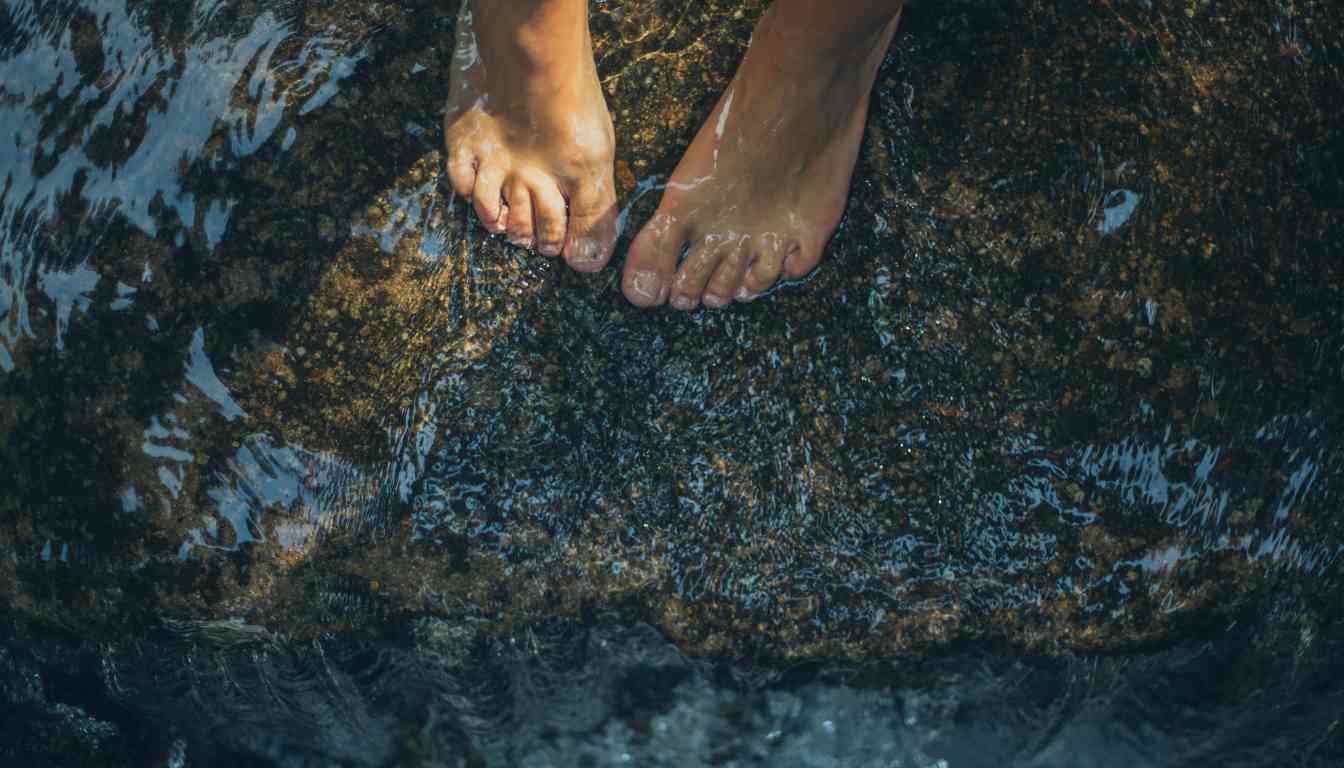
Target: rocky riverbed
299, 465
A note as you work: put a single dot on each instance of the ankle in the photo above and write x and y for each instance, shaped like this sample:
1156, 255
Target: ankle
536, 35
829, 52
819, 21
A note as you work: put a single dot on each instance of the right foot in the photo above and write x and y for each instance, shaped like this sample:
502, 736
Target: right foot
530, 140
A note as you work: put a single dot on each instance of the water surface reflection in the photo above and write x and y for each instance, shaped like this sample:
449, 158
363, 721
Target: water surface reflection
304, 468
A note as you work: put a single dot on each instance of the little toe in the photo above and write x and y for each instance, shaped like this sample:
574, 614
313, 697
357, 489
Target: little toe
802, 260
767, 264
520, 226
695, 272
548, 211
487, 197
727, 278
592, 230
652, 261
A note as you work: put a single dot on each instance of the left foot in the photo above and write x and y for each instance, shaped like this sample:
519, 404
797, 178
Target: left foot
762, 188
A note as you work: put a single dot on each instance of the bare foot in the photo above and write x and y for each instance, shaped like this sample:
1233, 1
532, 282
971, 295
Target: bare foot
529, 137
762, 188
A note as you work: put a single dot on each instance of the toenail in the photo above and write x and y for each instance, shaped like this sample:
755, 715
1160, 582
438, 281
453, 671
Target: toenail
647, 285
715, 302
743, 294
682, 302
550, 250
522, 242
586, 250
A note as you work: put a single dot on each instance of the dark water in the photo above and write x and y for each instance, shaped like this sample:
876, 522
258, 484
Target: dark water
1042, 468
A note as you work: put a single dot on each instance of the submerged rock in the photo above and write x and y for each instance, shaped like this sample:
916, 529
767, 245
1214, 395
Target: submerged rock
1065, 384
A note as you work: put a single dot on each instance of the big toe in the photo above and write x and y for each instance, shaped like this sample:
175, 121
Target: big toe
652, 261
591, 236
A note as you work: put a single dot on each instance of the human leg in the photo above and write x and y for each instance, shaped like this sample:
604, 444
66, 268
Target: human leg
763, 186
528, 134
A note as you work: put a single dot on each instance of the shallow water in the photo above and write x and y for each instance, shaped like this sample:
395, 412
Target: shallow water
301, 468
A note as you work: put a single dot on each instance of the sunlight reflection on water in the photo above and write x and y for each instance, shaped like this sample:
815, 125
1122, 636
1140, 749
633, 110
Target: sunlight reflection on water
171, 99
835, 468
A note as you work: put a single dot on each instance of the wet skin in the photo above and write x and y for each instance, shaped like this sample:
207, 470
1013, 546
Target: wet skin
755, 198
530, 140
762, 188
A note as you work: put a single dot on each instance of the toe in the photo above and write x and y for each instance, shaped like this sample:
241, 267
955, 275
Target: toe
802, 260
694, 274
652, 261
548, 211
462, 173
591, 236
727, 278
487, 197
767, 263
520, 225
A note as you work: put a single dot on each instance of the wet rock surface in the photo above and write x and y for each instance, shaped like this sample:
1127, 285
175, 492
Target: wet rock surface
1065, 392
